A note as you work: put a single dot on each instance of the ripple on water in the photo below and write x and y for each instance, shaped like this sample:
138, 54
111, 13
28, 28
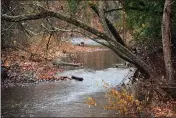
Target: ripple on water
94, 80
66, 98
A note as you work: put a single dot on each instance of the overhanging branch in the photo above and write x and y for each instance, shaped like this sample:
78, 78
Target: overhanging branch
110, 25
118, 47
134, 9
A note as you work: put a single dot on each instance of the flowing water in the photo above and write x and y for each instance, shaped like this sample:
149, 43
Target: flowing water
66, 98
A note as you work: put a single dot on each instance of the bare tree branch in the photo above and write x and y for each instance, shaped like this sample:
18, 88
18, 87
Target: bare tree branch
110, 26
134, 9
103, 21
115, 45
111, 10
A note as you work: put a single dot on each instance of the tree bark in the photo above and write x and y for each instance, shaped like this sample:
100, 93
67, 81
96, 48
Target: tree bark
118, 48
166, 40
110, 26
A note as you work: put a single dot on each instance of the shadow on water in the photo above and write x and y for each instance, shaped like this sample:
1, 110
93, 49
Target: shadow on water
99, 59
66, 98
96, 60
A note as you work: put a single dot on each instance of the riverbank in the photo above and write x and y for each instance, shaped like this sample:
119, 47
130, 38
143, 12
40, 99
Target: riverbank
63, 98
24, 68
34, 64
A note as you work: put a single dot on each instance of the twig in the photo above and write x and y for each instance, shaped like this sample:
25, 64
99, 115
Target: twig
8, 27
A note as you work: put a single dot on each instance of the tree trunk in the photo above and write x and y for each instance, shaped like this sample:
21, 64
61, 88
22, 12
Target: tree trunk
110, 26
121, 50
166, 40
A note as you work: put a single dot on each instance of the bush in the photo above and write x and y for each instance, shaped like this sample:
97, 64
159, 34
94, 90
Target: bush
121, 101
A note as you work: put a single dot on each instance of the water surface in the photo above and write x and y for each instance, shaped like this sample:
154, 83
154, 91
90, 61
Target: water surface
66, 98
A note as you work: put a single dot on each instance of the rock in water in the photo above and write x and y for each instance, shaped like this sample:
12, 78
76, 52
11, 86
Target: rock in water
77, 78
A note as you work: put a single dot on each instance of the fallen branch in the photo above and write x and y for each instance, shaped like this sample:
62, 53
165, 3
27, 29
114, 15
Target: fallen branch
67, 64
115, 46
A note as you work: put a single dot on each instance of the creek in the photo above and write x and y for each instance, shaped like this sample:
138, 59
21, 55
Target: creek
66, 98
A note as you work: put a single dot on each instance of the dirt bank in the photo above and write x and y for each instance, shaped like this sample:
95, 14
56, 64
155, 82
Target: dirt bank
35, 64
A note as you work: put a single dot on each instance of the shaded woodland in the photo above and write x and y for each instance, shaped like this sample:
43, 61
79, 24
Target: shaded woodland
143, 33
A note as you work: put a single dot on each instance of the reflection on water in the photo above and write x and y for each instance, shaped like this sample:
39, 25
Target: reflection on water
97, 60
66, 98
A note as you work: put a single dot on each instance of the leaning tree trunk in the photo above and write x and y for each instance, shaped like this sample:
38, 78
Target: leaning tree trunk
110, 26
121, 50
166, 40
